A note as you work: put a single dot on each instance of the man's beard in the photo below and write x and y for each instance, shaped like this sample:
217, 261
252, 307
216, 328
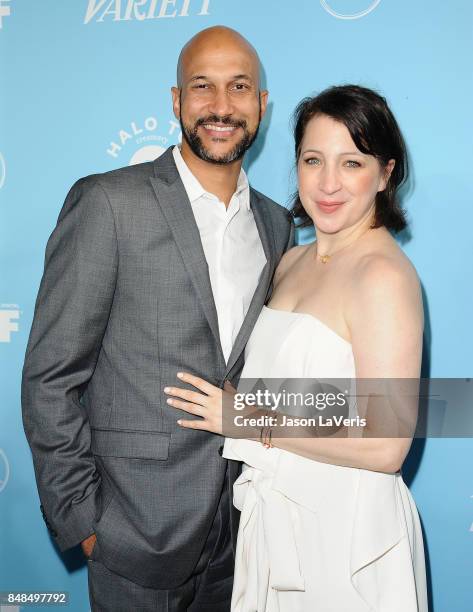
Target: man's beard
191, 136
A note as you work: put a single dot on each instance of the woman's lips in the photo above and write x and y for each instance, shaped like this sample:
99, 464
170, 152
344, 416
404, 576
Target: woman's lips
329, 207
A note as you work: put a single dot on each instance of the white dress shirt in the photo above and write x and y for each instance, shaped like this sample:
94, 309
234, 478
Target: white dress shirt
232, 248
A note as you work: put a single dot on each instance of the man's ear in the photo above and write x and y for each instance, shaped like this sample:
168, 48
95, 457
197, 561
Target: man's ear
176, 101
386, 174
263, 97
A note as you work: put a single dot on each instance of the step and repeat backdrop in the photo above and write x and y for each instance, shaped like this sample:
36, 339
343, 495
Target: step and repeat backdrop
85, 88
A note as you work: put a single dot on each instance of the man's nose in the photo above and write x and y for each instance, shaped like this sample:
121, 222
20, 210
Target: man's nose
221, 104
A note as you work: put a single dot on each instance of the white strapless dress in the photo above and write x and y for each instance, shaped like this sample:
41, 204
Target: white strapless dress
315, 537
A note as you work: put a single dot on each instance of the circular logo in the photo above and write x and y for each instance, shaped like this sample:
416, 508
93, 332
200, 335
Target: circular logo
3, 171
4, 470
146, 154
373, 4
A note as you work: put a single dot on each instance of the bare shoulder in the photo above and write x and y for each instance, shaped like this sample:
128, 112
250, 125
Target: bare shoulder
384, 313
387, 271
288, 260
385, 281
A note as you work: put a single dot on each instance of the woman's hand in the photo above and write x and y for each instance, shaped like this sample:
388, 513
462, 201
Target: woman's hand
205, 403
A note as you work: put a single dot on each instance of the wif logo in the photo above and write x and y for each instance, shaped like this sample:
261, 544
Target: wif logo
3, 171
5, 11
9, 315
471, 528
139, 10
4, 470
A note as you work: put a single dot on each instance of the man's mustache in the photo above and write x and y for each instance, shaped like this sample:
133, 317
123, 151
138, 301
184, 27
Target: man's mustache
226, 120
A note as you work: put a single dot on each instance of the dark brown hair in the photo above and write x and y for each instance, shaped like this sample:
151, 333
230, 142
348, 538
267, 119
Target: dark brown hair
374, 131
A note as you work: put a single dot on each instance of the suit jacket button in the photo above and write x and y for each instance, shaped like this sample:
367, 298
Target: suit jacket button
220, 450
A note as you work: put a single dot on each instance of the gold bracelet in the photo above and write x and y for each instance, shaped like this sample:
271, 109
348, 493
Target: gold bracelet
266, 434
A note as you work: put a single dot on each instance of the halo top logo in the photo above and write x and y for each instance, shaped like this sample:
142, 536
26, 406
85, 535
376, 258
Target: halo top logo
145, 132
327, 5
118, 10
9, 314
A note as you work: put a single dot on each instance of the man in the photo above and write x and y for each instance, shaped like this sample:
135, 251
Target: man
152, 269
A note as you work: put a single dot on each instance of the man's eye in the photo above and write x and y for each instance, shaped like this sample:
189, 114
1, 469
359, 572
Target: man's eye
351, 163
240, 86
201, 86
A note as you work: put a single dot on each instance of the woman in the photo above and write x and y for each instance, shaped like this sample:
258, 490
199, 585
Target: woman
327, 523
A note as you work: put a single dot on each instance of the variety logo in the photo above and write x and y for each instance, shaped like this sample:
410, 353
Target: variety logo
357, 15
4, 470
150, 140
5, 11
139, 10
9, 315
3, 171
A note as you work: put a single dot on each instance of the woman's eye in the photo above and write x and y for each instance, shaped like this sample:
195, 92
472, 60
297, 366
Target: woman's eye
351, 163
312, 161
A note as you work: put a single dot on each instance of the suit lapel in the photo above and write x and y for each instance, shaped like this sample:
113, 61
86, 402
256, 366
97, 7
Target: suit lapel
265, 230
175, 206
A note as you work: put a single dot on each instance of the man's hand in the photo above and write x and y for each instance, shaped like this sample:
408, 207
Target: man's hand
88, 545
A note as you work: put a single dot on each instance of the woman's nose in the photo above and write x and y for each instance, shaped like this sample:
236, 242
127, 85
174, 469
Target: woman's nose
329, 180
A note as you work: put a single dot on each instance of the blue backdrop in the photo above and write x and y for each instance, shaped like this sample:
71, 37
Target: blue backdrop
85, 88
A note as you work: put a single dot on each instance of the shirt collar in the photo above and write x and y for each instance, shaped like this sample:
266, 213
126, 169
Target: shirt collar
195, 190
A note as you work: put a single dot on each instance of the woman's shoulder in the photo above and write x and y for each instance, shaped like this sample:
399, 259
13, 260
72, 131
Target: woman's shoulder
384, 314
384, 265
383, 278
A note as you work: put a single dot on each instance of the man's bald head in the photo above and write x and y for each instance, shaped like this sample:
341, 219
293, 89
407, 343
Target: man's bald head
215, 38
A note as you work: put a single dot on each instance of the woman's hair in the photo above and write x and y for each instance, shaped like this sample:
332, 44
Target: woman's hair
374, 131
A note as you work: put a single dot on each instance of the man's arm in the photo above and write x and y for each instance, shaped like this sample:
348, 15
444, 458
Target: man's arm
71, 315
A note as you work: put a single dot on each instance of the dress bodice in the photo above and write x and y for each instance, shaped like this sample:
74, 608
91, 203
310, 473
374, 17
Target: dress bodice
296, 345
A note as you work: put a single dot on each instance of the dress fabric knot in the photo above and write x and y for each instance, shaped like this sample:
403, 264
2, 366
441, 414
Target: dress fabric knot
267, 541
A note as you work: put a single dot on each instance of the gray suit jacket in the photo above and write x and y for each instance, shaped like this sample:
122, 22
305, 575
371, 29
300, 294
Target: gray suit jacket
125, 302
